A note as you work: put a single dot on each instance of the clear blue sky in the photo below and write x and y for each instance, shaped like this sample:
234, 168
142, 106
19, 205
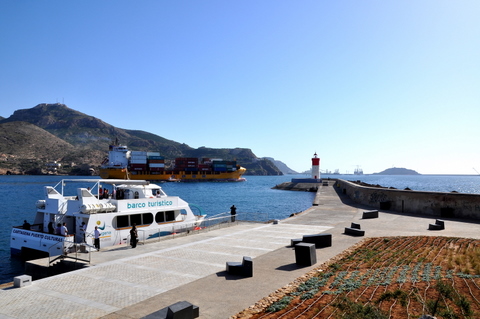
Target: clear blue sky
371, 83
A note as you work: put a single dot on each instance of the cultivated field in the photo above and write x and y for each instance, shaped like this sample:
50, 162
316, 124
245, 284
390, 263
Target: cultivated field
389, 277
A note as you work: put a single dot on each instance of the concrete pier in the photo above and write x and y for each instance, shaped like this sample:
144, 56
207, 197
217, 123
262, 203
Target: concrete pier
133, 283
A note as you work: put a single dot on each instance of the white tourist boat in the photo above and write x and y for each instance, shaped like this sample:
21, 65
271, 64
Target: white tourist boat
128, 202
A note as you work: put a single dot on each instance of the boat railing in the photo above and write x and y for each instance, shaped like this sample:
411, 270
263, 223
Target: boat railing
33, 227
79, 252
142, 237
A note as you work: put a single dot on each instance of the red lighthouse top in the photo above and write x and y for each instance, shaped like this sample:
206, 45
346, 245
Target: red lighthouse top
315, 160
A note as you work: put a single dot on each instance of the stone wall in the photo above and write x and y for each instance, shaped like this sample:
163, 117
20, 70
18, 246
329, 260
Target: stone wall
454, 205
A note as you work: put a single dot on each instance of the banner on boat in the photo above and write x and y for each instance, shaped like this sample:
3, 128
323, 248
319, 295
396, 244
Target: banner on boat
37, 235
148, 203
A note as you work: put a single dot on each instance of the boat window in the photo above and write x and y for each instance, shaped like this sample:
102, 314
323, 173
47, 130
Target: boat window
147, 218
157, 190
136, 195
160, 217
170, 215
183, 212
122, 221
137, 219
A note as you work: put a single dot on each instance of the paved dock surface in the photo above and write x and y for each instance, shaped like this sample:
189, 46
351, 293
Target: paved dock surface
133, 283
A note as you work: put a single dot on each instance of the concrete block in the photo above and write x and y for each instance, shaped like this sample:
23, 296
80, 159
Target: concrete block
320, 240
305, 254
179, 310
355, 225
435, 227
196, 311
234, 268
440, 222
295, 241
439, 225
247, 265
22, 281
370, 214
354, 231
244, 268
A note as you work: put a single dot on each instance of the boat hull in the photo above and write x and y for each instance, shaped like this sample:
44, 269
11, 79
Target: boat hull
173, 176
107, 210
21, 239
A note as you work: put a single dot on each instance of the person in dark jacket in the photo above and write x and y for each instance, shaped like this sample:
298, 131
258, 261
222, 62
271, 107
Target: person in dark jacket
96, 238
233, 212
133, 236
26, 225
51, 229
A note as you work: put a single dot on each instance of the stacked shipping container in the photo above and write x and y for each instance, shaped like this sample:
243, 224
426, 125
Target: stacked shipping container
187, 164
152, 161
224, 166
156, 163
138, 161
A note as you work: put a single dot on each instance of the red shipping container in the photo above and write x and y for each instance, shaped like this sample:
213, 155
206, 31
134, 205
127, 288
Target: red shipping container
156, 161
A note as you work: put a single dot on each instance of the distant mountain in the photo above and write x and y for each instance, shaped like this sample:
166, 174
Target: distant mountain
281, 166
84, 131
397, 171
261, 166
54, 132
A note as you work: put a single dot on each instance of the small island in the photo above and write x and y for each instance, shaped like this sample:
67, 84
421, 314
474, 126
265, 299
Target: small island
397, 171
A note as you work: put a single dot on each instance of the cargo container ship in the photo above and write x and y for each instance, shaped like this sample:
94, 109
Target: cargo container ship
122, 163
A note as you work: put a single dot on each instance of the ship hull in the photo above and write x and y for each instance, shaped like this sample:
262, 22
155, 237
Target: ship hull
173, 176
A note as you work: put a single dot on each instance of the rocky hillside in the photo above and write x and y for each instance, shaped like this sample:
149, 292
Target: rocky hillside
397, 171
281, 166
53, 132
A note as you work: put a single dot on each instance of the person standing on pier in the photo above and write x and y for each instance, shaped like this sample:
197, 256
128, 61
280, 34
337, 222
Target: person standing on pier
133, 236
96, 238
233, 212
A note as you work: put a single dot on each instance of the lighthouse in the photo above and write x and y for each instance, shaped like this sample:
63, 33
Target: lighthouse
314, 180
315, 167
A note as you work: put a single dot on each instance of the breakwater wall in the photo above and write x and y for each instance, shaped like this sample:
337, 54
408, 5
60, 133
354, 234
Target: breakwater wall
453, 205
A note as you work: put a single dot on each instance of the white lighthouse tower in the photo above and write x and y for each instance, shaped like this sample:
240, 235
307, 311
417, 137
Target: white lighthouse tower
315, 167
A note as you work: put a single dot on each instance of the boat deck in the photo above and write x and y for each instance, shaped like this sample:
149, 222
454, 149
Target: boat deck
131, 283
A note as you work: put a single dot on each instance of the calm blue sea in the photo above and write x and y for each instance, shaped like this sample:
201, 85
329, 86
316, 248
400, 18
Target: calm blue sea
18, 195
